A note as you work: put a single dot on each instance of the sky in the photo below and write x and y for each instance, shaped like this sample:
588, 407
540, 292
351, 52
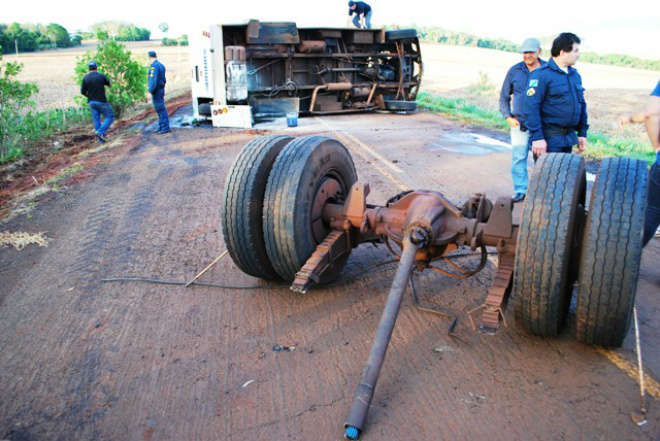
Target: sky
606, 27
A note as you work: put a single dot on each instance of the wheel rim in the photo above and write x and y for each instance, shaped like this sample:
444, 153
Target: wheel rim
329, 189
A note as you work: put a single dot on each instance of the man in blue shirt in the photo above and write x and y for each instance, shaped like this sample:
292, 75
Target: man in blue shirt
93, 87
554, 105
157, 91
651, 118
515, 84
362, 13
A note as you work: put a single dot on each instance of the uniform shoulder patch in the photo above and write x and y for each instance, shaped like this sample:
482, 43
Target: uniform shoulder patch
531, 91
533, 83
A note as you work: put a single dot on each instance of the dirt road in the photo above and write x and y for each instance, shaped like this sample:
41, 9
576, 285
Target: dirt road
86, 360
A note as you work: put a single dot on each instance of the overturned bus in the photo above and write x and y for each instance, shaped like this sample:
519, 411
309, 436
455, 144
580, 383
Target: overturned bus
255, 72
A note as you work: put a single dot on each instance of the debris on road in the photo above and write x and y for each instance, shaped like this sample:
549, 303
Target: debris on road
20, 240
278, 348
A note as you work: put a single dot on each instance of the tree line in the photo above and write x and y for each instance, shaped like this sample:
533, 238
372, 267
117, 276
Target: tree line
32, 37
118, 31
445, 36
27, 37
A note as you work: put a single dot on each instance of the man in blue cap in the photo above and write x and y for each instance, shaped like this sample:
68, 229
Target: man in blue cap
554, 106
515, 84
157, 91
93, 87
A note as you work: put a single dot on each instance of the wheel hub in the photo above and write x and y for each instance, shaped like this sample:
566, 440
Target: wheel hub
328, 190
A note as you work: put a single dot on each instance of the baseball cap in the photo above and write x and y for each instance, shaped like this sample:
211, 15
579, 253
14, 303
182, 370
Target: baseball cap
92, 65
152, 54
351, 3
530, 45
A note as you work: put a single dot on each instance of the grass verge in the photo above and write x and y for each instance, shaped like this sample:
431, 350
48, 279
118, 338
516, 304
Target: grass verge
600, 145
460, 109
32, 128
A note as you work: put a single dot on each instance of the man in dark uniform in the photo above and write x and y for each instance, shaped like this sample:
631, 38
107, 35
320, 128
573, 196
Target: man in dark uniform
362, 11
515, 84
651, 118
157, 91
93, 87
554, 105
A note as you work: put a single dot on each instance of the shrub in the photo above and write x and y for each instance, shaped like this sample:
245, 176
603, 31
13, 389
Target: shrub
12, 155
181, 41
127, 76
14, 98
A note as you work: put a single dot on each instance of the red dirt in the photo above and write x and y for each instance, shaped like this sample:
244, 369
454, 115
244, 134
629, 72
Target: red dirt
82, 359
44, 164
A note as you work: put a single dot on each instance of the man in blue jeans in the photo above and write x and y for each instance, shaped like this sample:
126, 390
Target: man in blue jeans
651, 118
362, 11
515, 84
157, 90
93, 87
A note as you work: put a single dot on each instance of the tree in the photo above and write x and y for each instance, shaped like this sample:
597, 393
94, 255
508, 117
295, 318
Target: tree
58, 35
128, 76
77, 38
14, 99
164, 27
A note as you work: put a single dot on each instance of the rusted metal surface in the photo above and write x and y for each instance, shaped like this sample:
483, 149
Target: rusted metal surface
500, 222
498, 294
271, 33
333, 247
329, 86
415, 239
328, 190
479, 223
312, 46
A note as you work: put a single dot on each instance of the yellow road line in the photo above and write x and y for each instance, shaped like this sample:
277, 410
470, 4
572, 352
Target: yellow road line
652, 387
357, 146
376, 155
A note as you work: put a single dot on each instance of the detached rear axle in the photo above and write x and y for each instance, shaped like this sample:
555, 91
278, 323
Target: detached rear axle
294, 209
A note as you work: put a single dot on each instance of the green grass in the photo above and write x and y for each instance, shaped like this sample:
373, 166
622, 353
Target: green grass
461, 110
35, 126
31, 129
600, 145
12, 155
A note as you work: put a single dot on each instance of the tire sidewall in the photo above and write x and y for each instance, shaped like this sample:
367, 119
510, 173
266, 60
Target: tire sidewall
328, 158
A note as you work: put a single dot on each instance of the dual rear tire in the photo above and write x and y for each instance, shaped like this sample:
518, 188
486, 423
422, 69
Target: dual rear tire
558, 245
611, 252
273, 199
